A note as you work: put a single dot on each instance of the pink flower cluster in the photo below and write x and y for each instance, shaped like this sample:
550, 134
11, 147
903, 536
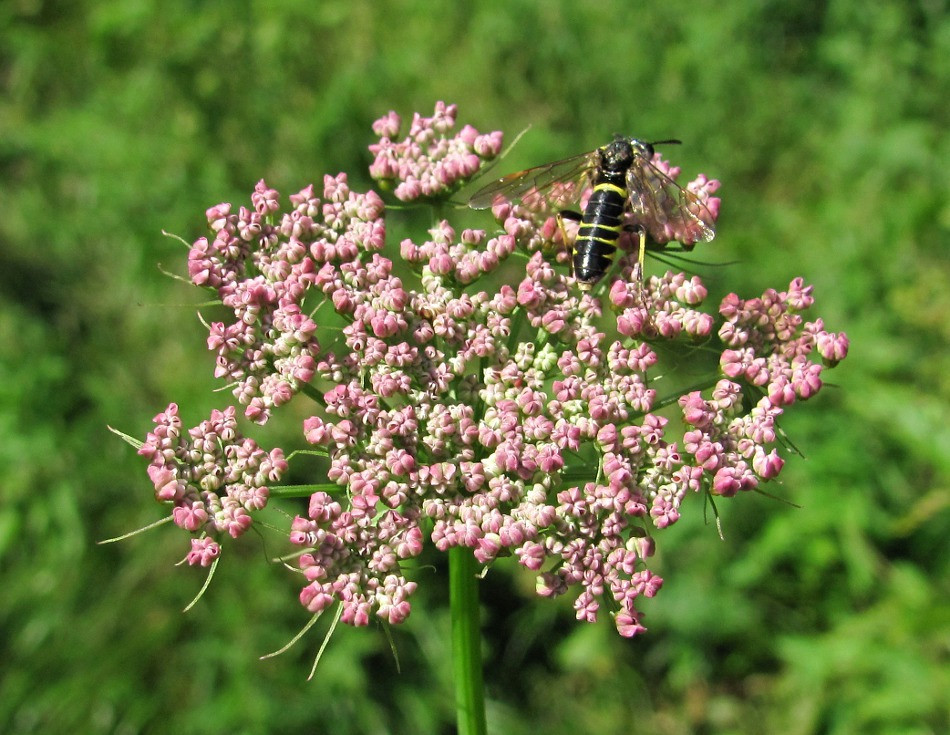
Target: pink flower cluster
262, 268
443, 416
213, 477
509, 414
427, 163
768, 347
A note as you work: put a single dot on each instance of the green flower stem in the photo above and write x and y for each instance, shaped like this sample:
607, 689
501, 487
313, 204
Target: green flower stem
466, 642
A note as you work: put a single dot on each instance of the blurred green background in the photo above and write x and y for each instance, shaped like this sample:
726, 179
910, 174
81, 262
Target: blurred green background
827, 124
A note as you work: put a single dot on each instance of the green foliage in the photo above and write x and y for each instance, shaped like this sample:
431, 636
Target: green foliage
827, 125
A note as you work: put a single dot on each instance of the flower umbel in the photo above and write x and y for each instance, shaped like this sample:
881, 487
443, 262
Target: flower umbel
213, 477
516, 417
263, 268
427, 163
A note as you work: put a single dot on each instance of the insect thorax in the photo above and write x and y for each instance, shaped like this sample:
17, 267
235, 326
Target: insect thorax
616, 157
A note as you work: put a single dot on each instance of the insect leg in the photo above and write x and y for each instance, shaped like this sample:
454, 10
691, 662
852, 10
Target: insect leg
574, 217
641, 252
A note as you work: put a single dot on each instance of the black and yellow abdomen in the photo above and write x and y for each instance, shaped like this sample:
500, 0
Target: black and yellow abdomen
601, 225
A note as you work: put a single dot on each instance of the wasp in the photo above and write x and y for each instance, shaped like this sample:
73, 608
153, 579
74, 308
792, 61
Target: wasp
630, 193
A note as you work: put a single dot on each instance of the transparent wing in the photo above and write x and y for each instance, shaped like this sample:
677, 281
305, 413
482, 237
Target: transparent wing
666, 210
556, 184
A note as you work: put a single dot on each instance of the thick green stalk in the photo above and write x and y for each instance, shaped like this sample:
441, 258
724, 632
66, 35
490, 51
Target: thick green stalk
466, 642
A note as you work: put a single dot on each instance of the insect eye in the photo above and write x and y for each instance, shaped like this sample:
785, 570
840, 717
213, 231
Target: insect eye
643, 149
